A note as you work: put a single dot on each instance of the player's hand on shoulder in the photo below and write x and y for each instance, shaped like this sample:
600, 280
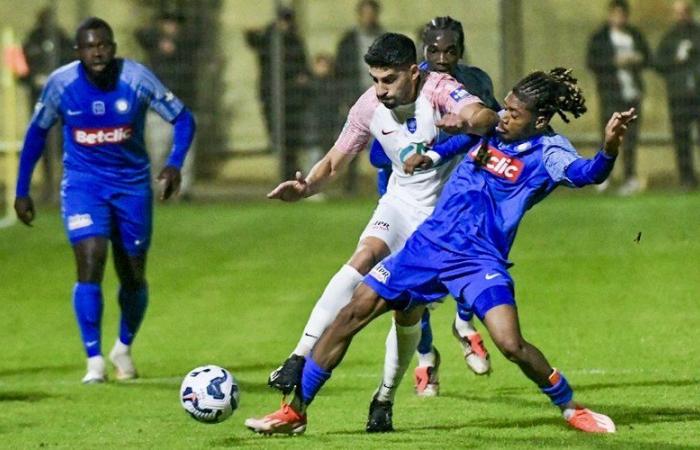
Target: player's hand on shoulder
169, 181
616, 128
24, 207
417, 162
290, 191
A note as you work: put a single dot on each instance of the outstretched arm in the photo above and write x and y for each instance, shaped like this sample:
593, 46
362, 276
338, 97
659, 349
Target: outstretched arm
583, 172
324, 171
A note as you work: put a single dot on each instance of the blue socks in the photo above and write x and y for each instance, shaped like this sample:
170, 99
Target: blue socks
133, 305
88, 304
313, 378
464, 313
559, 392
87, 301
425, 345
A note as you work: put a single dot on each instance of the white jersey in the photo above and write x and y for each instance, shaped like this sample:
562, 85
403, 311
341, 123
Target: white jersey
407, 130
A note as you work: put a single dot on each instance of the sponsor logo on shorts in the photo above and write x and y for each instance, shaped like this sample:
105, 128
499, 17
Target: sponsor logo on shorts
99, 136
501, 165
380, 225
77, 221
459, 94
380, 273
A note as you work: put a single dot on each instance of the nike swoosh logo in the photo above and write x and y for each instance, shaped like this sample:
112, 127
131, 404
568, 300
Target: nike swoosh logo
491, 276
90, 343
388, 132
74, 113
310, 335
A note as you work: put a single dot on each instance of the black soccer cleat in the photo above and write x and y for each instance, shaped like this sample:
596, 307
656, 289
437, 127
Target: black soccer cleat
379, 419
287, 376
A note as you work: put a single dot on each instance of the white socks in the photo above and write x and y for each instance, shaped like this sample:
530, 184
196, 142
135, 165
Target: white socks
337, 294
464, 328
426, 359
401, 343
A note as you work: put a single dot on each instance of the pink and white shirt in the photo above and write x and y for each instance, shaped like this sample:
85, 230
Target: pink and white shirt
440, 94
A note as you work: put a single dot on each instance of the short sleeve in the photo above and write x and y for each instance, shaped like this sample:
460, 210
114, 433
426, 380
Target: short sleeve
356, 133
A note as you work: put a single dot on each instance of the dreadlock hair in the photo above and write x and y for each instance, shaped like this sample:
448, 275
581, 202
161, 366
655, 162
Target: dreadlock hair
444, 23
550, 93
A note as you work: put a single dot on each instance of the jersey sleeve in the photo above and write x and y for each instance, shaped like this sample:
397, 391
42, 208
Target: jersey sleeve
557, 157
356, 132
160, 98
46, 110
448, 94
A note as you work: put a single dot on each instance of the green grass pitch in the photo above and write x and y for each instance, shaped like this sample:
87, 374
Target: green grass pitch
232, 284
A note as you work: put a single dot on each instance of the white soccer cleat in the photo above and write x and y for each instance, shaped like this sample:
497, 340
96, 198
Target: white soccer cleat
285, 420
95, 371
588, 421
123, 364
475, 354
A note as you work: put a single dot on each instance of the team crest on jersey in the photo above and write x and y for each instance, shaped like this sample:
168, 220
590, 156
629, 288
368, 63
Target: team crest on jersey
500, 164
459, 93
121, 106
412, 125
98, 108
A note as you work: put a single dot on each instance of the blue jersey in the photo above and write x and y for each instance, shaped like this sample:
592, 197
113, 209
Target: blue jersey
103, 130
481, 206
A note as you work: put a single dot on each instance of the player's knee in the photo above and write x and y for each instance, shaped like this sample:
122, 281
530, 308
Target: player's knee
368, 254
512, 347
91, 257
358, 312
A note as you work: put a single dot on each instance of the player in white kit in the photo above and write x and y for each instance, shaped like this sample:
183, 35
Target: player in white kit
407, 110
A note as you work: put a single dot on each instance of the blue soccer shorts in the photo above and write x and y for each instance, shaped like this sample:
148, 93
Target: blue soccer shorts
94, 209
423, 273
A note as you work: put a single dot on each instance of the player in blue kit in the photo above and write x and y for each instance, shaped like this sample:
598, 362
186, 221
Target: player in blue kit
463, 247
106, 190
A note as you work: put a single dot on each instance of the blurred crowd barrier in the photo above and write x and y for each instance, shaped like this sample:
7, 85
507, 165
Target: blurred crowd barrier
270, 81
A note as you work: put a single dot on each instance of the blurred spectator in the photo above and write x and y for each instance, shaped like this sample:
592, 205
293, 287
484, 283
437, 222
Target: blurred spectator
46, 47
351, 70
323, 119
295, 82
170, 52
617, 53
678, 60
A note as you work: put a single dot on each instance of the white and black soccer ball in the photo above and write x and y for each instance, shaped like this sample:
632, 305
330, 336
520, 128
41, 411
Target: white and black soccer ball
209, 394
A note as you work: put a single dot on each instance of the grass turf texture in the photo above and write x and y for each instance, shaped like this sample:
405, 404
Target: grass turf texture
233, 285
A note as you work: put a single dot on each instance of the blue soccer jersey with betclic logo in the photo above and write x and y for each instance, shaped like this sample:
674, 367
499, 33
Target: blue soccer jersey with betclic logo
103, 130
481, 206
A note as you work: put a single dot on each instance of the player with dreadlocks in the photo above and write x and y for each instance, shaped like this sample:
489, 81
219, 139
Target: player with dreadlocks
463, 247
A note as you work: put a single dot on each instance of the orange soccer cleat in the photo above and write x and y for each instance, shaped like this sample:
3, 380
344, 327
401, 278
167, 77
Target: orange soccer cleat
285, 420
475, 354
590, 422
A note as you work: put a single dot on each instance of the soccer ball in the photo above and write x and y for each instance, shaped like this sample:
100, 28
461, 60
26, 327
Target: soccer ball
209, 394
